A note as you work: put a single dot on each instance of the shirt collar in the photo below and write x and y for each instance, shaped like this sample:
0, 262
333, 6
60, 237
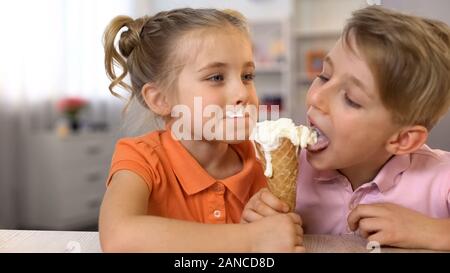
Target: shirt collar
385, 179
194, 179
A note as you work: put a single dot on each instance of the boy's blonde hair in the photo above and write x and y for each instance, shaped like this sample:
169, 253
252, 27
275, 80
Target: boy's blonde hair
410, 59
148, 46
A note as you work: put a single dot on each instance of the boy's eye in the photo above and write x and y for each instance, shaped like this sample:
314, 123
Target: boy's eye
216, 78
322, 78
248, 77
350, 102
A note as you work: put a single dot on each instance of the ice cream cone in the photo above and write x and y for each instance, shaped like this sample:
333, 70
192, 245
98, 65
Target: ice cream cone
282, 182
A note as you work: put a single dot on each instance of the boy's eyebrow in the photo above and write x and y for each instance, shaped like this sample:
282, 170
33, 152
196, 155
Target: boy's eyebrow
329, 61
352, 79
359, 84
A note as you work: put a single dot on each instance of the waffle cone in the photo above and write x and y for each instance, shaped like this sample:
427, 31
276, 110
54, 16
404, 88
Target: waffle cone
283, 182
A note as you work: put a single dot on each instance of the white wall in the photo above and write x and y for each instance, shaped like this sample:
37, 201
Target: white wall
252, 9
436, 9
324, 15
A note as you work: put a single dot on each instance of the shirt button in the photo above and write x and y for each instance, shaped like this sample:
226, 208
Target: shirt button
219, 187
217, 213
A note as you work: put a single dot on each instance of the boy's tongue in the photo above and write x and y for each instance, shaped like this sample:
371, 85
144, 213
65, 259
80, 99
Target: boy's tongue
321, 144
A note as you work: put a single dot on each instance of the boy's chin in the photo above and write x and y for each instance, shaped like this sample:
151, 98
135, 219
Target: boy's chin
317, 163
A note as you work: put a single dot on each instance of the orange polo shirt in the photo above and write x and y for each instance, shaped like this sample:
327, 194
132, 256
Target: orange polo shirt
181, 188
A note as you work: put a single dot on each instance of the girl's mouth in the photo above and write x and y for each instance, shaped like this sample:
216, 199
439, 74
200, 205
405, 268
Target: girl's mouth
322, 141
238, 114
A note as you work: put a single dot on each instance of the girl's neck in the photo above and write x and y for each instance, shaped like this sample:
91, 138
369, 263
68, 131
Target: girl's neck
366, 172
217, 158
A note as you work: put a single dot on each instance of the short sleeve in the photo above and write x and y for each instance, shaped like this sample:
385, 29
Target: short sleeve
135, 156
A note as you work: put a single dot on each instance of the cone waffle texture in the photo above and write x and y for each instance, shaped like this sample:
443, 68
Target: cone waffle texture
284, 171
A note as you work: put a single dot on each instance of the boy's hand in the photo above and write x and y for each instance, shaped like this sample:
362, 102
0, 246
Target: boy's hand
277, 233
392, 225
262, 204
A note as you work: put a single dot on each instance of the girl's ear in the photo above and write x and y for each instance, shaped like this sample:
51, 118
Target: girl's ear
156, 100
407, 140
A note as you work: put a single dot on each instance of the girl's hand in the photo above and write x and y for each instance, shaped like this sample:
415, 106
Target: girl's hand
262, 204
276, 233
393, 225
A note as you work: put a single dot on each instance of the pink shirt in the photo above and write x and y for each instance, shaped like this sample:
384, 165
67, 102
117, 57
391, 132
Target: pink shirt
419, 181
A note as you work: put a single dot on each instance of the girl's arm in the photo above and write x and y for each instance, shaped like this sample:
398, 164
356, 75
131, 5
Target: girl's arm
125, 227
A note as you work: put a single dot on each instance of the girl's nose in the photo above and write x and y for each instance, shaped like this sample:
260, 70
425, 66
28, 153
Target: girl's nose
239, 94
318, 97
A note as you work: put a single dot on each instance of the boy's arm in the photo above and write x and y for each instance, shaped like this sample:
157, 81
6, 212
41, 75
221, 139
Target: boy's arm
125, 227
390, 224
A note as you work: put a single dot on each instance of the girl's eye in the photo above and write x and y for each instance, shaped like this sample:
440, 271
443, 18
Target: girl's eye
248, 77
322, 78
216, 78
350, 102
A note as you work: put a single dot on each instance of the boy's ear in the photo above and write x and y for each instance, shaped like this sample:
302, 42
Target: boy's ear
156, 100
407, 140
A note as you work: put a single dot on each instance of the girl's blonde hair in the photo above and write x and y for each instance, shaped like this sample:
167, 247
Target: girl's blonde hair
410, 58
147, 49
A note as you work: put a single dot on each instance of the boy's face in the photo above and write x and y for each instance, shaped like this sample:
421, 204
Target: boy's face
344, 104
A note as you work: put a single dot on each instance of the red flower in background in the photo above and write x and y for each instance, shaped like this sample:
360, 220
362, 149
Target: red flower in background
71, 106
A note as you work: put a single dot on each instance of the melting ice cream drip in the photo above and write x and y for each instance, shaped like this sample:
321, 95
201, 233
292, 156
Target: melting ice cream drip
270, 133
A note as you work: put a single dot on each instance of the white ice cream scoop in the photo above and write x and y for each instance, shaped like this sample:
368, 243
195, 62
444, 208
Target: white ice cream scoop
270, 132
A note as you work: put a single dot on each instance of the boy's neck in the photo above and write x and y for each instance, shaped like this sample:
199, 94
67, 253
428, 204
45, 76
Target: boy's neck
365, 173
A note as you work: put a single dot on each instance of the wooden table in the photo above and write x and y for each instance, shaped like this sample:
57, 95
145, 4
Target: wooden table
88, 242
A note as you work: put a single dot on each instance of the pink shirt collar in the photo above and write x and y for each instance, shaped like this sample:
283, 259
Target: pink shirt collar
385, 178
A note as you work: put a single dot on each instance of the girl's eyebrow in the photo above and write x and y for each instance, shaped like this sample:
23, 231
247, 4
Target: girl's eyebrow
250, 64
213, 65
221, 65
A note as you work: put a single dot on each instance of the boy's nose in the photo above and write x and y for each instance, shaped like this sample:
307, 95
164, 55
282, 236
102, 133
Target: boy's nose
318, 97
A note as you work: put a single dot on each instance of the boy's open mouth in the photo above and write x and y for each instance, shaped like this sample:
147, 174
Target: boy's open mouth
322, 141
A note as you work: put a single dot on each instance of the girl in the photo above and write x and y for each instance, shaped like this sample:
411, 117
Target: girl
171, 193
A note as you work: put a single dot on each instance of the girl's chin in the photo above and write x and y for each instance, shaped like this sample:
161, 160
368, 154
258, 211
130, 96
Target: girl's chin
233, 141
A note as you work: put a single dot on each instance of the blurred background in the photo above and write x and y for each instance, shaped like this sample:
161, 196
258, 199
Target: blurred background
59, 123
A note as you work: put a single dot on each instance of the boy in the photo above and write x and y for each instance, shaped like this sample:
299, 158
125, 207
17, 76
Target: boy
383, 87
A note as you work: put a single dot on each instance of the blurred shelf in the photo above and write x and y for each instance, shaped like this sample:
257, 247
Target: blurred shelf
271, 115
276, 68
317, 34
304, 79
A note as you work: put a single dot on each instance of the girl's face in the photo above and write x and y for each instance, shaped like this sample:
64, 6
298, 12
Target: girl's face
216, 85
344, 104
